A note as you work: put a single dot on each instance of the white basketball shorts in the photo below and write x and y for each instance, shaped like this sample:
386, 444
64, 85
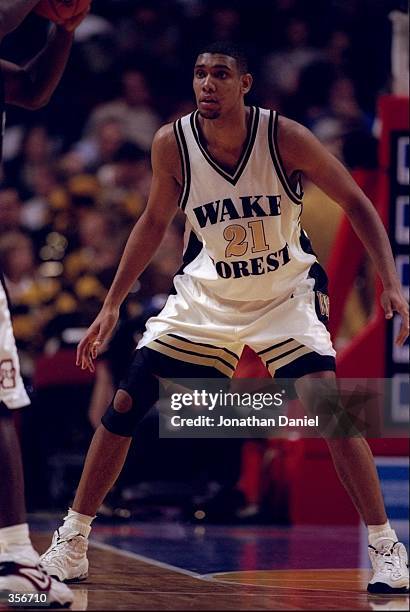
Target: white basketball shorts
201, 328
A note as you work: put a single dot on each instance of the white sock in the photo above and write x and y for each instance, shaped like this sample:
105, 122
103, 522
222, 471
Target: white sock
16, 541
75, 522
381, 531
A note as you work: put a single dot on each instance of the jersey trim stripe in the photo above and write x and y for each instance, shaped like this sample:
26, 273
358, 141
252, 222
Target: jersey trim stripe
274, 346
186, 352
277, 160
192, 349
287, 358
280, 357
234, 177
192, 357
277, 352
211, 346
186, 169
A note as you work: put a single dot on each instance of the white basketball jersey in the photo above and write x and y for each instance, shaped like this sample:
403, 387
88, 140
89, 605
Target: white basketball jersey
247, 221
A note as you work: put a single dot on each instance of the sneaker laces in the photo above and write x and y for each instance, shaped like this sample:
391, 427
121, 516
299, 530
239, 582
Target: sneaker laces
54, 554
384, 561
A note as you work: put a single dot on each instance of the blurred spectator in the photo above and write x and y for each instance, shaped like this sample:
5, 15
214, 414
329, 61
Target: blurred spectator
338, 51
133, 111
97, 148
37, 150
149, 32
126, 181
282, 68
31, 293
10, 210
35, 213
91, 267
17, 262
225, 24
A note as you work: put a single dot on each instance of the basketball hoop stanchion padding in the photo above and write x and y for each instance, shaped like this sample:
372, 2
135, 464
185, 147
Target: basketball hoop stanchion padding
347, 252
364, 355
354, 360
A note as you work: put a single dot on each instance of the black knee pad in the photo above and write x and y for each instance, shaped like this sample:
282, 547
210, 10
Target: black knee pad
143, 388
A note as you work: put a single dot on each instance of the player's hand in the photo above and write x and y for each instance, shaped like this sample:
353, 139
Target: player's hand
71, 24
95, 338
392, 300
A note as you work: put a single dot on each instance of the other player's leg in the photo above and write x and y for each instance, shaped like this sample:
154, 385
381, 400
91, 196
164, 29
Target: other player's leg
20, 570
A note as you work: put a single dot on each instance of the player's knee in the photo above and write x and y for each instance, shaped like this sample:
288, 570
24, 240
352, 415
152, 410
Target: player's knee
122, 401
125, 413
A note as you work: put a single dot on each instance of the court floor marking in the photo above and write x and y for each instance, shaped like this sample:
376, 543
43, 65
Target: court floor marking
278, 576
132, 555
276, 586
211, 577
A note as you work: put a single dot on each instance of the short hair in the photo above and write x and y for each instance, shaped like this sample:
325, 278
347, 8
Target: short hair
222, 48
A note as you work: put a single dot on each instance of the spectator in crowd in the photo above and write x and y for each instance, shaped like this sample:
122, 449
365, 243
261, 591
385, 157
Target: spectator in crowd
32, 295
126, 181
282, 68
133, 110
97, 148
10, 210
37, 150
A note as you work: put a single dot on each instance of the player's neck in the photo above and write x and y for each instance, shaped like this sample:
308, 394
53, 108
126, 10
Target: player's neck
229, 131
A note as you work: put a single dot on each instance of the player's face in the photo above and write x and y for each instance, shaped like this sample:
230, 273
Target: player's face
218, 84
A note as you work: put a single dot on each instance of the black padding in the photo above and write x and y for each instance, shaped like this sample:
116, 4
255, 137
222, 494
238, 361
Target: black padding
142, 384
143, 387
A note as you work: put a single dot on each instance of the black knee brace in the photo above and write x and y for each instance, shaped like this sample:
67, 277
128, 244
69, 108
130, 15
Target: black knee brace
125, 423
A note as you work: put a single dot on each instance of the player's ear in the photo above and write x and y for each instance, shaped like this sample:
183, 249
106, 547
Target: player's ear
246, 82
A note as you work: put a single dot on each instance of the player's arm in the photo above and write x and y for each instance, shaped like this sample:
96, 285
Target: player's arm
12, 13
31, 86
142, 243
302, 151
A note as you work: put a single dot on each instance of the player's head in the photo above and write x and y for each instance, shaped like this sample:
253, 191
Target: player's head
221, 79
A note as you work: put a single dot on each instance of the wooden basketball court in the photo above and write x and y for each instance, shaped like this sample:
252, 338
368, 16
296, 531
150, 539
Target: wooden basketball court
120, 580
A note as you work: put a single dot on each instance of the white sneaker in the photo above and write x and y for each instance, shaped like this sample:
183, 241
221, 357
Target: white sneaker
66, 558
390, 567
23, 584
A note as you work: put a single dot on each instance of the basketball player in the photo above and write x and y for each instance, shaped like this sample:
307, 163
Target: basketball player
250, 277
29, 86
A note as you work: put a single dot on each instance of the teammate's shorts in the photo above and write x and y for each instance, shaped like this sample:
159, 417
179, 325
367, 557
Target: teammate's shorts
12, 391
198, 328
